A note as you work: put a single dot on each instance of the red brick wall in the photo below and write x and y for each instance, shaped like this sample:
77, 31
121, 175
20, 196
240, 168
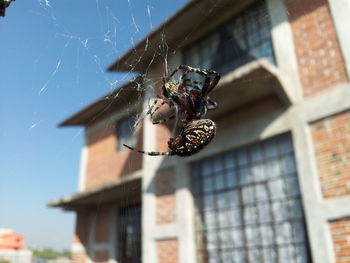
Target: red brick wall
331, 137
81, 236
105, 163
165, 197
103, 224
340, 231
81, 228
101, 256
320, 60
167, 250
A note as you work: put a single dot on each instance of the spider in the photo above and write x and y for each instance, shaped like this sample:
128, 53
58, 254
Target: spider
189, 98
194, 136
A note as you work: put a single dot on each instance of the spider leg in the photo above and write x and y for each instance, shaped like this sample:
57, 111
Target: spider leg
148, 111
195, 70
211, 105
171, 75
209, 83
212, 83
149, 153
176, 118
154, 108
163, 120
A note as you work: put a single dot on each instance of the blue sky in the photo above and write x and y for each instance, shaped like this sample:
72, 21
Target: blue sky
53, 60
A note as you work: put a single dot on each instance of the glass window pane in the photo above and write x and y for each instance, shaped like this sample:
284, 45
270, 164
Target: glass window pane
252, 236
276, 189
250, 215
258, 172
208, 185
269, 255
261, 193
280, 211
231, 178
237, 237
234, 217
288, 165
239, 256
208, 202
229, 161
283, 233
259, 219
254, 255
233, 198
229, 45
248, 195
264, 212
267, 235
219, 180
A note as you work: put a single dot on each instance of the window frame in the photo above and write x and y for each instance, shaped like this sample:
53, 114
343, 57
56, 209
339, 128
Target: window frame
227, 67
207, 169
125, 132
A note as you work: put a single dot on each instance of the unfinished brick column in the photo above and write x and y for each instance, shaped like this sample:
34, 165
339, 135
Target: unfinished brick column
331, 138
340, 230
165, 198
320, 61
167, 249
102, 234
80, 238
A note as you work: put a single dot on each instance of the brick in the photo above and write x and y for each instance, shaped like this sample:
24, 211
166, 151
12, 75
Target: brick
101, 256
332, 141
340, 231
321, 64
81, 228
105, 163
165, 197
103, 221
167, 251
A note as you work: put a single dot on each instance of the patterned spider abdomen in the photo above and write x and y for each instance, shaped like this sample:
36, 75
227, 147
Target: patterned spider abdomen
195, 135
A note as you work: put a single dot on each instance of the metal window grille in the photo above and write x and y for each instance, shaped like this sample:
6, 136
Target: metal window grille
125, 132
244, 38
129, 234
248, 206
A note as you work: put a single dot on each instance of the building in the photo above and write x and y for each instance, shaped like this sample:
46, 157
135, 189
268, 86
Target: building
273, 185
10, 240
12, 247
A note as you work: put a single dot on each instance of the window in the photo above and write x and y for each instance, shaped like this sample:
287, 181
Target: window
129, 235
248, 206
125, 132
244, 38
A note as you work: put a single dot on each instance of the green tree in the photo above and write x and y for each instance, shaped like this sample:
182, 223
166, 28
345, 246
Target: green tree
49, 253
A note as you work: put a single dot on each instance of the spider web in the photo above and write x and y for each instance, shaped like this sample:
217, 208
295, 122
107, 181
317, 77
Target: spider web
84, 38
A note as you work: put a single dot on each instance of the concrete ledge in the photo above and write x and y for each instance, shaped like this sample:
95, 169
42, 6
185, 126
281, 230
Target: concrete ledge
335, 208
326, 104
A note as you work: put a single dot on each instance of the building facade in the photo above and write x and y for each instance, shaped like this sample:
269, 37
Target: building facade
9, 240
273, 185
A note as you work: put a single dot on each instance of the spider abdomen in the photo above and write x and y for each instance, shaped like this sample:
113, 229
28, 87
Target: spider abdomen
195, 135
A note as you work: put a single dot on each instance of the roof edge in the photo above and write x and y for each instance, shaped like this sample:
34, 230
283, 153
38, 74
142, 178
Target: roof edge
114, 66
92, 108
